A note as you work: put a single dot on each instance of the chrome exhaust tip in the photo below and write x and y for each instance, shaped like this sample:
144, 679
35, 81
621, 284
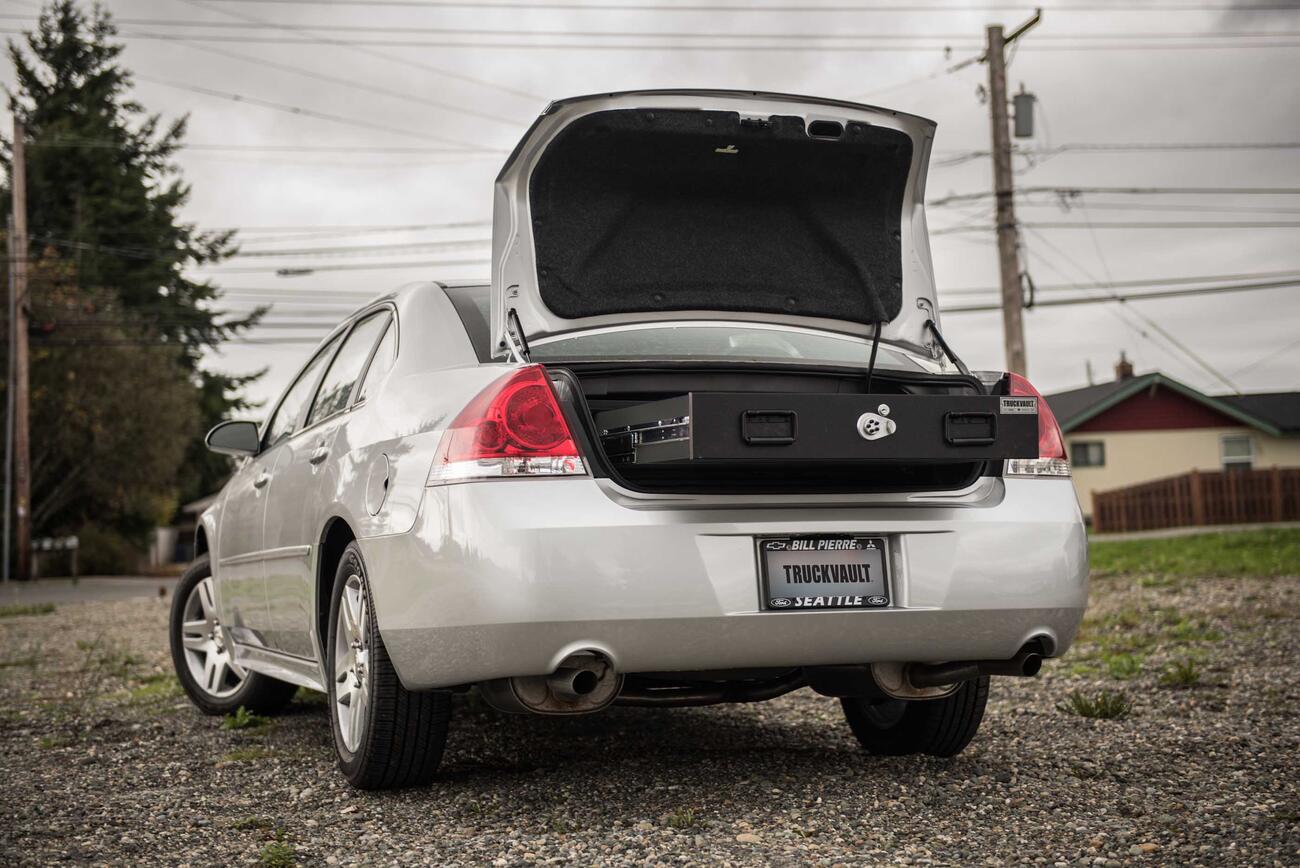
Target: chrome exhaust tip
582, 683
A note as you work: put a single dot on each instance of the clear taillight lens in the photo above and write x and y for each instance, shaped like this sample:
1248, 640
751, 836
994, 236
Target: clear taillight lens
512, 428
1051, 460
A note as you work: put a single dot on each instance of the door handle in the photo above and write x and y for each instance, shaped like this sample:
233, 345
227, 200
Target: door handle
319, 455
262, 479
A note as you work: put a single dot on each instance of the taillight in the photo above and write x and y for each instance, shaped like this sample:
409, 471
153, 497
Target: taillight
512, 428
1051, 460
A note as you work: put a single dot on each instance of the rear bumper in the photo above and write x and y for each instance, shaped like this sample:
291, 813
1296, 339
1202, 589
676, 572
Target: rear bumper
507, 578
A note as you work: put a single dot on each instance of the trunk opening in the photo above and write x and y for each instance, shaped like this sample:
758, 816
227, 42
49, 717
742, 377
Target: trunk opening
588, 390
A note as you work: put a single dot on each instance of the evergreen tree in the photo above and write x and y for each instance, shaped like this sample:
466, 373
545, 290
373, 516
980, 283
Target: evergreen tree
103, 203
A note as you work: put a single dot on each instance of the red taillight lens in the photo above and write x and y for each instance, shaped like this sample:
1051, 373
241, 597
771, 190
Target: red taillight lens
1051, 445
1050, 442
514, 427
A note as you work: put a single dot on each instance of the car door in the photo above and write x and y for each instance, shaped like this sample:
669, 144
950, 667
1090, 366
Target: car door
242, 547
293, 517
238, 556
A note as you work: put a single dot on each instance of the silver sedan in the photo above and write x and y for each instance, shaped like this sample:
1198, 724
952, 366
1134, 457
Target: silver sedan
699, 440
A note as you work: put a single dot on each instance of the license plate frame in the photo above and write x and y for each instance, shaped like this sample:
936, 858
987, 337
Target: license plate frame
776, 596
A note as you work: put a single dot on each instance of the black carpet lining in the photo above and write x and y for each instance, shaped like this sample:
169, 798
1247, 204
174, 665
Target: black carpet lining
637, 211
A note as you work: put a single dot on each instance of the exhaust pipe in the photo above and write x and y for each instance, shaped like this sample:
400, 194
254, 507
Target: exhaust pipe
571, 685
1024, 665
584, 682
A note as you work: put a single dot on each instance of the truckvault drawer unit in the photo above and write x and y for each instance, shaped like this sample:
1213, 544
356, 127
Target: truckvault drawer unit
744, 426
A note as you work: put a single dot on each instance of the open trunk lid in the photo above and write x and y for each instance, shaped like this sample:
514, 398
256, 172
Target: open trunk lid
659, 206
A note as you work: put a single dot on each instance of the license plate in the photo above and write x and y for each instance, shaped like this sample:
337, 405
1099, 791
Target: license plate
823, 572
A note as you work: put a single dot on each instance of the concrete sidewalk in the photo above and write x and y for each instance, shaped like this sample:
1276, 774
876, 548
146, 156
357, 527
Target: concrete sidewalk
91, 588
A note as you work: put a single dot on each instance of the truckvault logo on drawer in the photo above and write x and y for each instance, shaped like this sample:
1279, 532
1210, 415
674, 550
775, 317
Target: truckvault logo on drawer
1018, 405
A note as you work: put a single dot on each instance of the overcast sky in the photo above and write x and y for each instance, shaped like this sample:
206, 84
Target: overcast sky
1103, 73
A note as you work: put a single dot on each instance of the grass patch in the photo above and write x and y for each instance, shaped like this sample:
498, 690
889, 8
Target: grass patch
1255, 553
682, 818
1193, 630
245, 755
28, 662
1181, 673
1102, 705
249, 823
276, 854
242, 718
106, 659
19, 609
51, 742
156, 689
1123, 666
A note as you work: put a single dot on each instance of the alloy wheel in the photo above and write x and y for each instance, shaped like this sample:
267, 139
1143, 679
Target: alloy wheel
351, 661
207, 653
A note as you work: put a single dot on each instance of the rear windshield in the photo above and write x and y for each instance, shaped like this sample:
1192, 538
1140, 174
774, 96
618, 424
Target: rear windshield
684, 342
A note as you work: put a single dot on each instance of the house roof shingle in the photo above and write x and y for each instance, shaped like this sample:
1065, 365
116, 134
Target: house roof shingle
1274, 412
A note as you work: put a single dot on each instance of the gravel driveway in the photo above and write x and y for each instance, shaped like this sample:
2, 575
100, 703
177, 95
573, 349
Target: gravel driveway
103, 761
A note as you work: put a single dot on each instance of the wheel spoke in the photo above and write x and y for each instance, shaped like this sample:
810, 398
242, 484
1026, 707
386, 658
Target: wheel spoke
357, 710
349, 615
362, 615
218, 673
195, 643
195, 627
206, 601
343, 666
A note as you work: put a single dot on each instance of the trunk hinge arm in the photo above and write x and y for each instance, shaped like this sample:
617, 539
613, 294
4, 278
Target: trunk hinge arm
938, 336
515, 340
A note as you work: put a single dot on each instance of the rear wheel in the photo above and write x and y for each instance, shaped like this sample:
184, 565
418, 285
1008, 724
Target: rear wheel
204, 659
386, 736
938, 727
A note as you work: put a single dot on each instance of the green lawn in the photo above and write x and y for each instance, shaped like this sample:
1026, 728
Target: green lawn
1247, 553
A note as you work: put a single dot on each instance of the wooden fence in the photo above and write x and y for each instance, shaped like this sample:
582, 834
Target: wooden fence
1200, 498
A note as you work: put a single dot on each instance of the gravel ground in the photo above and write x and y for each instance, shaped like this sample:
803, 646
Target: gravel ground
102, 760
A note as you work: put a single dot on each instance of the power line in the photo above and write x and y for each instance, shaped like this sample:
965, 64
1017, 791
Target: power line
1143, 191
1130, 284
670, 46
1127, 147
302, 112
403, 61
673, 34
60, 142
1139, 224
851, 7
293, 271
1164, 293
352, 250
1267, 358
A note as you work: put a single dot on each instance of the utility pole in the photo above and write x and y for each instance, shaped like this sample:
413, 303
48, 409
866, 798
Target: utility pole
18, 323
1004, 192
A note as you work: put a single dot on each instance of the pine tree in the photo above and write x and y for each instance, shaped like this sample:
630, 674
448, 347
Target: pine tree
103, 200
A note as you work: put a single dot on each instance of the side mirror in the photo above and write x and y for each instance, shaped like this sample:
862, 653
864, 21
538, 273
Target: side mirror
234, 438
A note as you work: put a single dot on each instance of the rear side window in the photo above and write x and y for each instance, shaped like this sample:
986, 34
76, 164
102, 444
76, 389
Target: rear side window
336, 388
285, 420
382, 363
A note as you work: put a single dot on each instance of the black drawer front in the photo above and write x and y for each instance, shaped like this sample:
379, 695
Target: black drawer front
734, 426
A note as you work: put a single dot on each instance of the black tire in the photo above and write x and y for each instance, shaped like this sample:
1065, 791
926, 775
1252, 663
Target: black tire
404, 731
258, 693
938, 727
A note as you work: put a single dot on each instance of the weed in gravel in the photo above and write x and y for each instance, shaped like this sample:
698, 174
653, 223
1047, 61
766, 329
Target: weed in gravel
50, 742
1102, 705
246, 823
309, 697
245, 755
27, 662
156, 689
105, 659
682, 818
242, 718
277, 854
14, 611
1123, 666
1194, 630
1181, 673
